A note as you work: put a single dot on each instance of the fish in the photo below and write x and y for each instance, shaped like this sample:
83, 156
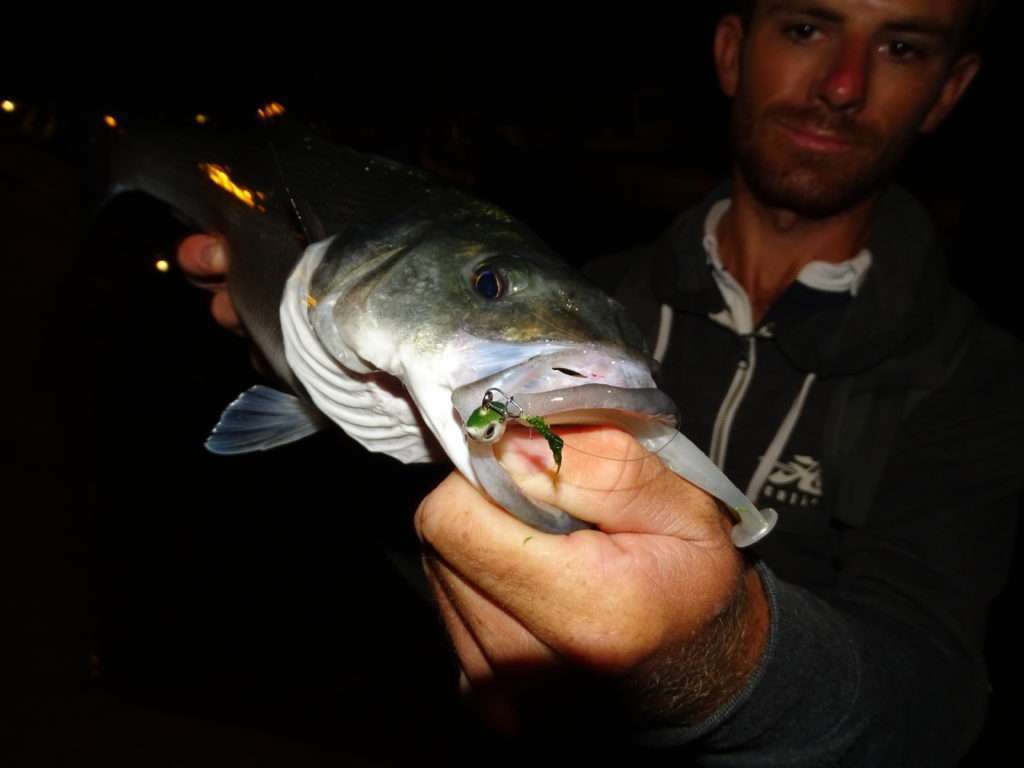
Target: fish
400, 308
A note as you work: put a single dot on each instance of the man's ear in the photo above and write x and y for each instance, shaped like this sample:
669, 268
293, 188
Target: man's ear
728, 42
959, 77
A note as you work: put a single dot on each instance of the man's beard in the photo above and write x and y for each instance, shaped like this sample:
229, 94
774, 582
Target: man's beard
811, 183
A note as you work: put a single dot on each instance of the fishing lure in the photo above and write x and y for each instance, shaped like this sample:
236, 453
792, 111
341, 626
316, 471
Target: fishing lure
487, 423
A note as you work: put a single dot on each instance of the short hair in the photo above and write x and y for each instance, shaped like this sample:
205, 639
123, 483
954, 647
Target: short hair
971, 39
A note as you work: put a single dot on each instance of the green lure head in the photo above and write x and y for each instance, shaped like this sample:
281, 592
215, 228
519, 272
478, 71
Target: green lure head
486, 424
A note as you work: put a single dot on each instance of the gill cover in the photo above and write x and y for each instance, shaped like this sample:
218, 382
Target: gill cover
365, 403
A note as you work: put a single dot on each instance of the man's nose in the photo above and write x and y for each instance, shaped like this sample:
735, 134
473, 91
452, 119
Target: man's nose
844, 85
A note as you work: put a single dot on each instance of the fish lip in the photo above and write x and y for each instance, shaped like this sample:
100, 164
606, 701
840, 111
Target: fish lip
611, 366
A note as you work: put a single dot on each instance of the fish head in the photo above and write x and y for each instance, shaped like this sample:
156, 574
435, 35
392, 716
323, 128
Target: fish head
456, 291
440, 282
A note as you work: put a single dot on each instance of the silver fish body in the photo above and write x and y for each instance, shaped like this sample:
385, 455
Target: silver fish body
391, 301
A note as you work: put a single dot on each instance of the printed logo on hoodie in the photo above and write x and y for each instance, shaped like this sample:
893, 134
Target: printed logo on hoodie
796, 482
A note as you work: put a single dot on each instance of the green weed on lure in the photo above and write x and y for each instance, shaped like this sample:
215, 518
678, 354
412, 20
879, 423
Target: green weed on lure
487, 423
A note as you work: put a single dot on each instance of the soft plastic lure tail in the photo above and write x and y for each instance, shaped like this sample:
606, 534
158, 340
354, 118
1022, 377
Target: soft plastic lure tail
641, 412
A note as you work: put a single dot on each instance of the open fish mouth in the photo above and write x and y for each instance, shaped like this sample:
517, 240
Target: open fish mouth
569, 366
587, 384
573, 385
595, 384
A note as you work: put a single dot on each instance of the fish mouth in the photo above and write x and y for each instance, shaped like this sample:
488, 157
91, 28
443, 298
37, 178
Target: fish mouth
589, 384
569, 378
627, 399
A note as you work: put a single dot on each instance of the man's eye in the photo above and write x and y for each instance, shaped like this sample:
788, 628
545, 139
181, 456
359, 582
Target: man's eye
802, 32
904, 51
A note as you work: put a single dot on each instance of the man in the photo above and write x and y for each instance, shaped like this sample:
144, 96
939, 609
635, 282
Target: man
819, 355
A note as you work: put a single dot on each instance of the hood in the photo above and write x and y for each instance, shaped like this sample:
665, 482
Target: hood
900, 300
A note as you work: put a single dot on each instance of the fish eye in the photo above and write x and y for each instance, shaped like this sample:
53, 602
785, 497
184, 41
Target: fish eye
488, 283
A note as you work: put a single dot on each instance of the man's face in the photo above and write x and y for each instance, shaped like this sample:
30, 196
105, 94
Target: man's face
828, 94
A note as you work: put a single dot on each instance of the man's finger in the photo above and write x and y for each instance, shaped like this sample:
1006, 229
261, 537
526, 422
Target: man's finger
597, 586
498, 636
204, 259
475, 666
223, 311
608, 479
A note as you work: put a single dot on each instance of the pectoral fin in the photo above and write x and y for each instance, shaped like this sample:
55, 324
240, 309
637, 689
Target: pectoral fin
263, 418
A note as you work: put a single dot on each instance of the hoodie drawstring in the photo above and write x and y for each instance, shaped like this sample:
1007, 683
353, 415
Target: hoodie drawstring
664, 333
721, 431
778, 443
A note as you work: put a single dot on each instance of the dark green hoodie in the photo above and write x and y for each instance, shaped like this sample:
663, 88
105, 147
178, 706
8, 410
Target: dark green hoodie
884, 428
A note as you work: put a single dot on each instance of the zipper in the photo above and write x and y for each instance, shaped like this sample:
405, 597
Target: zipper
731, 404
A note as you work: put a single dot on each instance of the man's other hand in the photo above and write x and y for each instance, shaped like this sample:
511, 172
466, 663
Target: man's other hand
204, 259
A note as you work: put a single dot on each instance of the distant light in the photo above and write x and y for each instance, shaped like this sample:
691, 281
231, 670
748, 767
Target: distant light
7, 105
267, 111
219, 175
163, 265
110, 120
201, 119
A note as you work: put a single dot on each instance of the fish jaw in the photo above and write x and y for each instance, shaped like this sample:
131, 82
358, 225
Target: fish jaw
432, 378
587, 383
448, 393
448, 386
559, 367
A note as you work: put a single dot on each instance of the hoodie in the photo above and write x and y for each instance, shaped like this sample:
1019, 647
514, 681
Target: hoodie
877, 412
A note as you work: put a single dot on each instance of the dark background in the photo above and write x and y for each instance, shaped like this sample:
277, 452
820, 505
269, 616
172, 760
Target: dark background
161, 606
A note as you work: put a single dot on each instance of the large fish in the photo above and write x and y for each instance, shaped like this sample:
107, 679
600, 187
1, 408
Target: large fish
398, 307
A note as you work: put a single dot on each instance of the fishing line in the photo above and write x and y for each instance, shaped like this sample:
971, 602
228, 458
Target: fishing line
663, 446
640, 479
577, 449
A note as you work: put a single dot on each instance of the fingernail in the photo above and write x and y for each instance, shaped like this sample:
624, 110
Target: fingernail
213, 257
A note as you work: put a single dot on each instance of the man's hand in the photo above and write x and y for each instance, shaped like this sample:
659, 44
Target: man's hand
655, 604
205, 260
